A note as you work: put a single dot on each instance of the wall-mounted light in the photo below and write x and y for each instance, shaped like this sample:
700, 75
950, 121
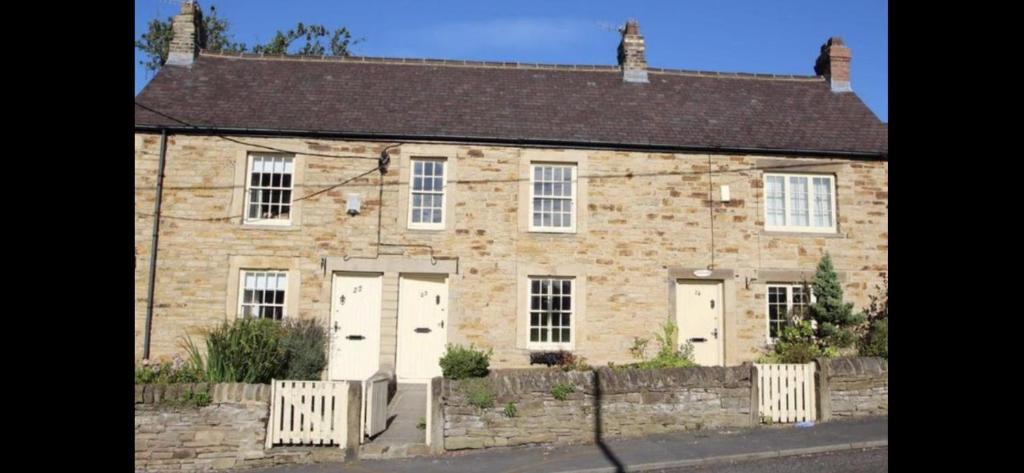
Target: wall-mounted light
353, 203
725, 193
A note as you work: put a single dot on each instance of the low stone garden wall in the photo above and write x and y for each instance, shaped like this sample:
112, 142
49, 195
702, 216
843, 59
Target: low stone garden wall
171, 435
614, 403
853, 387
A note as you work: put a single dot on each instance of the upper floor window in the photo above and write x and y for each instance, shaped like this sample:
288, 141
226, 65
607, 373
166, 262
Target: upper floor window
263, 294
783, 301
553, 197
551, 312
426, 194
269, 196
800, 202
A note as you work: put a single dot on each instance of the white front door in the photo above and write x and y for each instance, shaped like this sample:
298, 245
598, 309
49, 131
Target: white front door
355, 326
699, 316
422, 326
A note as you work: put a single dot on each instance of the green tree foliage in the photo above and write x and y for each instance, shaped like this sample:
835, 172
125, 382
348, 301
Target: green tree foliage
836, 319
876, 338
214, 35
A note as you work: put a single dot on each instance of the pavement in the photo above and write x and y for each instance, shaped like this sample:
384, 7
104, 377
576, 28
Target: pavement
665, 452
872, 460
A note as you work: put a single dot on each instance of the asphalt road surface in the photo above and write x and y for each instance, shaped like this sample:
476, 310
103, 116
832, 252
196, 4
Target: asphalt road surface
850, 461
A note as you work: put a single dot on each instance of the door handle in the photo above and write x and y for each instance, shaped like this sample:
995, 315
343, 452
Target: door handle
355, 337
698, 339
422, 330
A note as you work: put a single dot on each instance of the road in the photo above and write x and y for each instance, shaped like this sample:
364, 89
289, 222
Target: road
851, 461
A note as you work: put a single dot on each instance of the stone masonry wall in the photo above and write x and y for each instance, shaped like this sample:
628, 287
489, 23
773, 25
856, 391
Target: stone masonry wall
627, 402
644, 213
856, 387
228, 433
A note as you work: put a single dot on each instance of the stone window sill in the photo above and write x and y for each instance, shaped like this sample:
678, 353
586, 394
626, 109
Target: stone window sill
803, 234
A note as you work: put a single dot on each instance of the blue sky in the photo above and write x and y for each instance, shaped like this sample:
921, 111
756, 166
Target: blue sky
780, 37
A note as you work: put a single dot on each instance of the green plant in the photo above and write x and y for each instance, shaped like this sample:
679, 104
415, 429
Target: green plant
305, 348
561, 391
796, 344
168, 372
422, 423
510, 410
766, 419
668, 356
836, 320
246, 351
570, 362
460, 362
639, 348
193, 399
478, 392
876, 339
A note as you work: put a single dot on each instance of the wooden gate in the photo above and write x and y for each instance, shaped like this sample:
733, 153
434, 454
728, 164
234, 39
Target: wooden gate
308, 413
375, 404
786, 392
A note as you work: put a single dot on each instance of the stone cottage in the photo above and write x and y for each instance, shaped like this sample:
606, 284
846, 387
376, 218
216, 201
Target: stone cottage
411, 203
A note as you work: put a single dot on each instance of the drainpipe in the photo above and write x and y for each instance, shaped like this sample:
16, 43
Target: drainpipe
153, 244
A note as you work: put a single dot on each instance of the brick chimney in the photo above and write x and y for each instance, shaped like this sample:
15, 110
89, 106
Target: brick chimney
834, 64
631, 54
185, 35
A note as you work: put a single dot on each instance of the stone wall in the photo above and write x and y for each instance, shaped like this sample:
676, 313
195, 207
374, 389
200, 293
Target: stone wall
853, 387
228, 433
640, 214
621, 403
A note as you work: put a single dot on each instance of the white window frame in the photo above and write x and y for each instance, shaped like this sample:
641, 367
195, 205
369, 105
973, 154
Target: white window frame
789, 304
572, 202
247, 196
573, 311
241, 291
786, 197
444, 194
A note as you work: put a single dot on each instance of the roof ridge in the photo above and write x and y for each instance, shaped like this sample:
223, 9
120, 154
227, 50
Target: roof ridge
499, 65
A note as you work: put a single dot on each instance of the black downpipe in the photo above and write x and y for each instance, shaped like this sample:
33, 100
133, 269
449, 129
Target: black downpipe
153, 244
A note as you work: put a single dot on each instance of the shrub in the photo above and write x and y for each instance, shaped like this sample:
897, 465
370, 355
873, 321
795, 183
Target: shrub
876, 340
478, 392
422, 423
668, 356
510, 410
305, 348
836, 319
460, 362
796, 344
246, 351
258, 350
561, 391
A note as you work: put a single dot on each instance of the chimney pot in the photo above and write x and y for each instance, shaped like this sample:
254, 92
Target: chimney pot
186, 35
631, 54
834, 64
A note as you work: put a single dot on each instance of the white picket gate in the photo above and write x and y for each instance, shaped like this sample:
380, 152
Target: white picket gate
375, 404
308, 413
786, 392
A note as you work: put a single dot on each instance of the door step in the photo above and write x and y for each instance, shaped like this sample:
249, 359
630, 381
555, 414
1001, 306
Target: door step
372, 451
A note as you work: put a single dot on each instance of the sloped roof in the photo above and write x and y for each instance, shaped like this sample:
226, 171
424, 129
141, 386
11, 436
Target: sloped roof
512, 103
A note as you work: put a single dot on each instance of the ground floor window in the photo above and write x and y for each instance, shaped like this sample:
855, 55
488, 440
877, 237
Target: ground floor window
783, 300
263, 294
551, 312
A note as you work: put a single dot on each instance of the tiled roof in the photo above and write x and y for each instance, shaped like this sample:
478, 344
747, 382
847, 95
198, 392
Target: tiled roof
511, 103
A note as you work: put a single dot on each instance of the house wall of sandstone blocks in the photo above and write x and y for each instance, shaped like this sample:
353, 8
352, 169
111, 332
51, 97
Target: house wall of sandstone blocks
643, 220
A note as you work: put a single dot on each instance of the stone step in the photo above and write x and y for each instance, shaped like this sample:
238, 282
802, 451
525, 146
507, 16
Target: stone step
380, 452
